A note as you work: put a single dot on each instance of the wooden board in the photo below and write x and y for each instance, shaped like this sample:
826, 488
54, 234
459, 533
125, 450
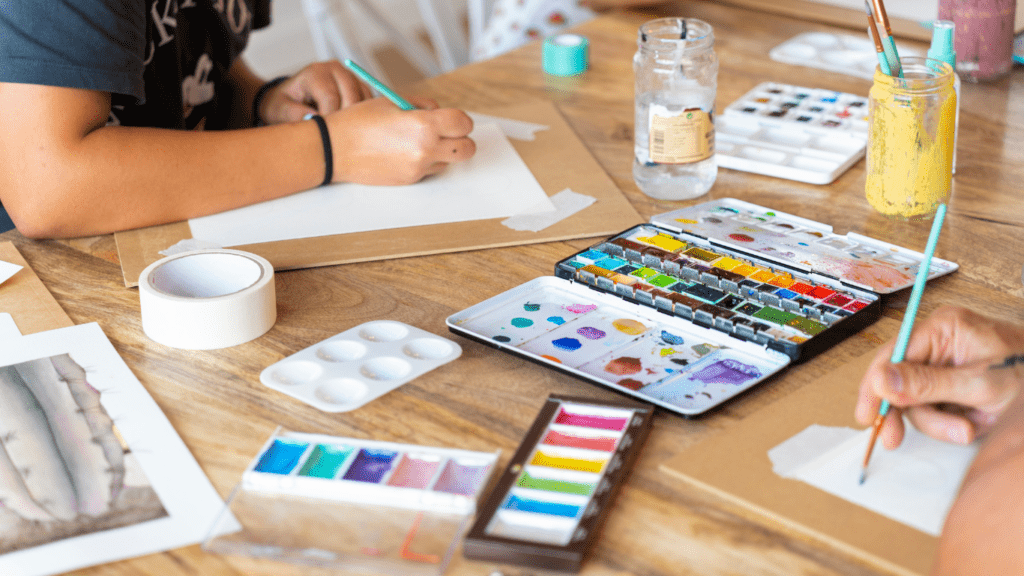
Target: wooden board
557, 158
735, 466
26, 299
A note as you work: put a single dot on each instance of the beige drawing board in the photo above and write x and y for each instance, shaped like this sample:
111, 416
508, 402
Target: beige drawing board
26, 299
735, 466
556, 157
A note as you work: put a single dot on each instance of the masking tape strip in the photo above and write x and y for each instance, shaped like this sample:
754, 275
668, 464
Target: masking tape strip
516, 129
565, 54
566, 204
207, 299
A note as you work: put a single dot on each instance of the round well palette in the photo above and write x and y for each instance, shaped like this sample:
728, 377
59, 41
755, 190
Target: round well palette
358, 365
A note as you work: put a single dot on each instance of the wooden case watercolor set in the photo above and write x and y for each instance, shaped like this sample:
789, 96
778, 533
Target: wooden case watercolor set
347, 503
698, 306
549, 503
792, 132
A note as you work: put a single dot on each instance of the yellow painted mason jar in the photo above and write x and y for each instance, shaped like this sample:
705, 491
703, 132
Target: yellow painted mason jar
910, 139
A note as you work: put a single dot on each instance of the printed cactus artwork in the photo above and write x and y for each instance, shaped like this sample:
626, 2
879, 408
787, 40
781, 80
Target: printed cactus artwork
63, 469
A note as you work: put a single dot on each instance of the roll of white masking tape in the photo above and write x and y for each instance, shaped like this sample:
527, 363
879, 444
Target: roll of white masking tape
207, 299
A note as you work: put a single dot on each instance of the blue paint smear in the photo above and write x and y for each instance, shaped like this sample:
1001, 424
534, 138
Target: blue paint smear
556, 320
282, 457
569, 344
540, 507
671, 338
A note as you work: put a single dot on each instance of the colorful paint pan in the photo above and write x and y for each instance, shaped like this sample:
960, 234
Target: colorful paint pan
346, 503
550, 502
366, 471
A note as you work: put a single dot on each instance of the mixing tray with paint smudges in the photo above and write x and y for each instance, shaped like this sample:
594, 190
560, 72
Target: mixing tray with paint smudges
792, 132
358, 365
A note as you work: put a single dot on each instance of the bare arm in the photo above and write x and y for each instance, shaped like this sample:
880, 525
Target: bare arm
65, 173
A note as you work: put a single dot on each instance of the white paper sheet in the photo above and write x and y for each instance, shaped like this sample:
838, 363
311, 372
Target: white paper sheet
495, 183
7, 270
914, 484
8, 328
155, 458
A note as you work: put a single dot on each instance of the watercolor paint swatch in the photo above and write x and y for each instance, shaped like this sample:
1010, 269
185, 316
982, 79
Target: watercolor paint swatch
556, 491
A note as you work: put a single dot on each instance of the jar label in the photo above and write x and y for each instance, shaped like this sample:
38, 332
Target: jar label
687, 136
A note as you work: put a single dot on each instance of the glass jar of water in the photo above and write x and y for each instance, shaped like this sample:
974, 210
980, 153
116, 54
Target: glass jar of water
676, 72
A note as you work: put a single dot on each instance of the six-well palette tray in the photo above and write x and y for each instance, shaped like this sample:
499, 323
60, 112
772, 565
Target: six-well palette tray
793, 132
554, 495
698, 306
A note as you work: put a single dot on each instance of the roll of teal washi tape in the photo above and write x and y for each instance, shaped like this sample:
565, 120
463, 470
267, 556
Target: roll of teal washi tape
565, 54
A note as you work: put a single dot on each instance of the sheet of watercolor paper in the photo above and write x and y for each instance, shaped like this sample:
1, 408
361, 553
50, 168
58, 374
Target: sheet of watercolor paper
914, 484
8, 328
91, 471
495, 183
7, 270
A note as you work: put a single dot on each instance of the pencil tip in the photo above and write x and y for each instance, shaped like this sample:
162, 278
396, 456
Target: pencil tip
862, 477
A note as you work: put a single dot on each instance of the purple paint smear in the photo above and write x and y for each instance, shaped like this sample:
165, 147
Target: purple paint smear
726, 372
591, 333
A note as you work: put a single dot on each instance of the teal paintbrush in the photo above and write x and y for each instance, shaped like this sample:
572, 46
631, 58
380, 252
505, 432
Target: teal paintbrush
888, 43
378, 85
903, 338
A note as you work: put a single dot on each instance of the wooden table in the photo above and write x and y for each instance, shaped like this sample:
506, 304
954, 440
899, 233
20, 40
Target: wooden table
486, 400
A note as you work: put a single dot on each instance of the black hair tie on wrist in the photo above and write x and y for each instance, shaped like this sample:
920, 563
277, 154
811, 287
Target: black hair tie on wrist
325, 137
257, 100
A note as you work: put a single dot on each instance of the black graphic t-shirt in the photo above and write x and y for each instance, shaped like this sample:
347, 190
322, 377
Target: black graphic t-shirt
165, 62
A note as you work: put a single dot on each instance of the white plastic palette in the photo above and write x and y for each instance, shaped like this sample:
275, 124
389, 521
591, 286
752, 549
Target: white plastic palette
844, 53
358, 365
792, 132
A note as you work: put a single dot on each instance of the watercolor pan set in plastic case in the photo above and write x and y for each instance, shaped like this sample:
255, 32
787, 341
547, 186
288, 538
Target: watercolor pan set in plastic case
349, 503
698, 306
792, 132
548, 505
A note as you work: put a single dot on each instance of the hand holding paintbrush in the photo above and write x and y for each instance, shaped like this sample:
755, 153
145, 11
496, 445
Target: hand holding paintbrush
903, 339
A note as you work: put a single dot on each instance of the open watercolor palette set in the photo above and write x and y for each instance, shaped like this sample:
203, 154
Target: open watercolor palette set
698, 306
792, 132
357, 504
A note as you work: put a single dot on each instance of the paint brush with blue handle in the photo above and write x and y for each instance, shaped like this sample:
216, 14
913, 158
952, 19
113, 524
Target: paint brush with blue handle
872, 29
378, 85
903, 338
888, 43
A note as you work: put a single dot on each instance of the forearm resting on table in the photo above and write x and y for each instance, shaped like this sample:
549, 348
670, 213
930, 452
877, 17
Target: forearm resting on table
66, 174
